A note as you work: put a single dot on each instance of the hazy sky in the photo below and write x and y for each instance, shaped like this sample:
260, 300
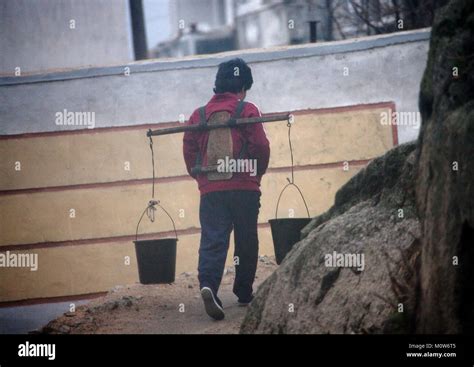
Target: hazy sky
157, 21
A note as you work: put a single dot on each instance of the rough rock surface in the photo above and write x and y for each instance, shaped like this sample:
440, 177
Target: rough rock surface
374, 214
445, 174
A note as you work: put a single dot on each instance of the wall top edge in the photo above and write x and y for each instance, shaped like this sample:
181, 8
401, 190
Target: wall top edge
206, 61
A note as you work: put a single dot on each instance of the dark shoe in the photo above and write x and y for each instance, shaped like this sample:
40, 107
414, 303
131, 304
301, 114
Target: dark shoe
245, 302
212, 304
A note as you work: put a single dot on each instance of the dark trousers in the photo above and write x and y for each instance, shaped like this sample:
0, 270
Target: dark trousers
219, 213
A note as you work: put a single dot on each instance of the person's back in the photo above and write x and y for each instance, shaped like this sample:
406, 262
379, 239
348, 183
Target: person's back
228, 165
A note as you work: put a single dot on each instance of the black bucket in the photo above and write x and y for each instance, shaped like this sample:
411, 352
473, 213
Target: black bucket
156, 260
285, 233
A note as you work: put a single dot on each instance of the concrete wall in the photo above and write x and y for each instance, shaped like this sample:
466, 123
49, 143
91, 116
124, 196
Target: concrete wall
85, 172
36, 35
384, 68
72, 167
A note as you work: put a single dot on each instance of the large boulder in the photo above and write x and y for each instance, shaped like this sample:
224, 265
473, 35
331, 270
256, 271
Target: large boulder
374, 215
445, 174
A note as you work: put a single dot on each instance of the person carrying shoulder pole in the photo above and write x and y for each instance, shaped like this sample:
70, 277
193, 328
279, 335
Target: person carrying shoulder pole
228, 165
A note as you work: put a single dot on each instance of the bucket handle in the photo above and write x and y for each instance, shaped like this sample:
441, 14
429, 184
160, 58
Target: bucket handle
292, 181
150, 212
281, 193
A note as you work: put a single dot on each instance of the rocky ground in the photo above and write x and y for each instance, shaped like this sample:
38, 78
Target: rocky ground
158, 309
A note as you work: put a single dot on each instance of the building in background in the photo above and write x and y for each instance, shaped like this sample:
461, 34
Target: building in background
45, 35
264, 23
267, 23
78, 33
208, 26
199, 27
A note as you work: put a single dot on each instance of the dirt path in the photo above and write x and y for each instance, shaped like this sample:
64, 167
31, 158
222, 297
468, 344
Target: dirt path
158, 309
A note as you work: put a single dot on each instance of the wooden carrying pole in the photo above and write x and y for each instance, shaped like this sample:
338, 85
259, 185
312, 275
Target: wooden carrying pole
229, 123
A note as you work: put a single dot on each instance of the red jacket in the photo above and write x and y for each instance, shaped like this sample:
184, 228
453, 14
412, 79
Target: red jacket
258, 146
